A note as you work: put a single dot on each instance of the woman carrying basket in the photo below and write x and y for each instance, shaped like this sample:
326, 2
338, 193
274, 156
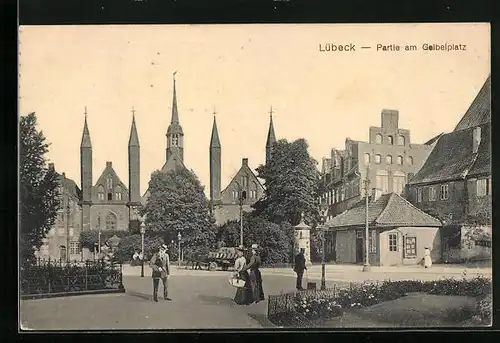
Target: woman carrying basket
243, 294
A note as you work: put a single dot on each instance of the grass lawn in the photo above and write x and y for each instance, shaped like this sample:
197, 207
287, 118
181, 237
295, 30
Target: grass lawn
413, 310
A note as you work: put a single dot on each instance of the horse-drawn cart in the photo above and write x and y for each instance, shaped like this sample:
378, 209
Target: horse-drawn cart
224, 258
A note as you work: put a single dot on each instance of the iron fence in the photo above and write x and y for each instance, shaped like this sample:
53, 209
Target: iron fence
57, 276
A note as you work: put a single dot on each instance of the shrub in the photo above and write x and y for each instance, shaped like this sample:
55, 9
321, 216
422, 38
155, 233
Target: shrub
129, 244
484, 307
322, 304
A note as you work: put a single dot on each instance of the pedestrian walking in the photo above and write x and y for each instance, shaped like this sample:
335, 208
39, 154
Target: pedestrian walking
243, 294
254, 274
299, 267
160, 264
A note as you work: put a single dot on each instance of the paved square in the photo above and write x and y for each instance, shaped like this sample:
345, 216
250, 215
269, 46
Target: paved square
200, 299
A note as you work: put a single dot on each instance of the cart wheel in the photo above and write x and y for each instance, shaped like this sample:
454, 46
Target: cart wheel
212, 266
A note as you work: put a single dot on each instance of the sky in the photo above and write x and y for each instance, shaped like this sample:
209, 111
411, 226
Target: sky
240, 71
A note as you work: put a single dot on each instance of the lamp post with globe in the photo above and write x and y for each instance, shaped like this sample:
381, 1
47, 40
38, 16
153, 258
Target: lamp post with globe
143, 231
179, 237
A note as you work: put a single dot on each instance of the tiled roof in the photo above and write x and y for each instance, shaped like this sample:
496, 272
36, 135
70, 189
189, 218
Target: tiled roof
479, 112
482, 164
452, 157
434, 139
70, 186
389, 210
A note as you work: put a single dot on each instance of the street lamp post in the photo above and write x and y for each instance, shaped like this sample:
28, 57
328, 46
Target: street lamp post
143, 230
366, 266
68, 250
242, 195
179, 237
323, 213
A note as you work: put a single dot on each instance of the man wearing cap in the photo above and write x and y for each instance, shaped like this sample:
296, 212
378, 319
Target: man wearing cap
160, 264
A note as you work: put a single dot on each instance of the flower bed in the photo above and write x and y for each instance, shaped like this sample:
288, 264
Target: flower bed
293, 309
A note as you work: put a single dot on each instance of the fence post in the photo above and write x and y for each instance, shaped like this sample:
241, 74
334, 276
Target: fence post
86, 276
121, 277
50, 275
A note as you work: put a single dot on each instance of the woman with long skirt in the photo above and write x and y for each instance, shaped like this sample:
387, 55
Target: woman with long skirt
255, 275
243, 295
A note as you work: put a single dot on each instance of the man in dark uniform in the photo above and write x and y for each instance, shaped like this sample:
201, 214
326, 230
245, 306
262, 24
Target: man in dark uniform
299, 267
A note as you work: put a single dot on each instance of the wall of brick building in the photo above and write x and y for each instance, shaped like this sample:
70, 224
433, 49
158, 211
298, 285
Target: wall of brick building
478, 204
121, 212
442, 209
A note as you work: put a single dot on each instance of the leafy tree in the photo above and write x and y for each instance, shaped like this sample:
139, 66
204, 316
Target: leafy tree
39, 189
129, 244
274, 240
176, 203
292, 184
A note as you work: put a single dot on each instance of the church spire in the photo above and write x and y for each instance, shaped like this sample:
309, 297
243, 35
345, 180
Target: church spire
214, 141
175, 114
271, 137
175, 135
86, 143
134, 138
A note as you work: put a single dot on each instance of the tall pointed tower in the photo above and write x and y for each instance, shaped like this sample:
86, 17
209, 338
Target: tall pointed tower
86, 175
271, 138
175, 135
134, 171
215, 164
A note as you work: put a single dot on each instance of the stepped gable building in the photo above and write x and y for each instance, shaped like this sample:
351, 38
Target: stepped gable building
244, 188
454, 184
67, 223
174, 154
389, 159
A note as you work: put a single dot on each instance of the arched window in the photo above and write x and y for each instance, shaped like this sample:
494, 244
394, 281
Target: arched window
390, 140
175, 140
378, 138
377, 159
401, 140
100, 193
253, 190
409, 160
118, 193
400, 160
382, 182
367, 158
111, 221
109, 183
388, 159
398, 182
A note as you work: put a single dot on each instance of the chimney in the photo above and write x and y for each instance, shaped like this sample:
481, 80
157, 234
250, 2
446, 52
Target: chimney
109, 164
244, 162
390, 119
476, 139
376, 193
51, 166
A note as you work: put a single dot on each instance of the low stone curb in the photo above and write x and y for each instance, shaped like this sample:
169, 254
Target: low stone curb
69, 294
